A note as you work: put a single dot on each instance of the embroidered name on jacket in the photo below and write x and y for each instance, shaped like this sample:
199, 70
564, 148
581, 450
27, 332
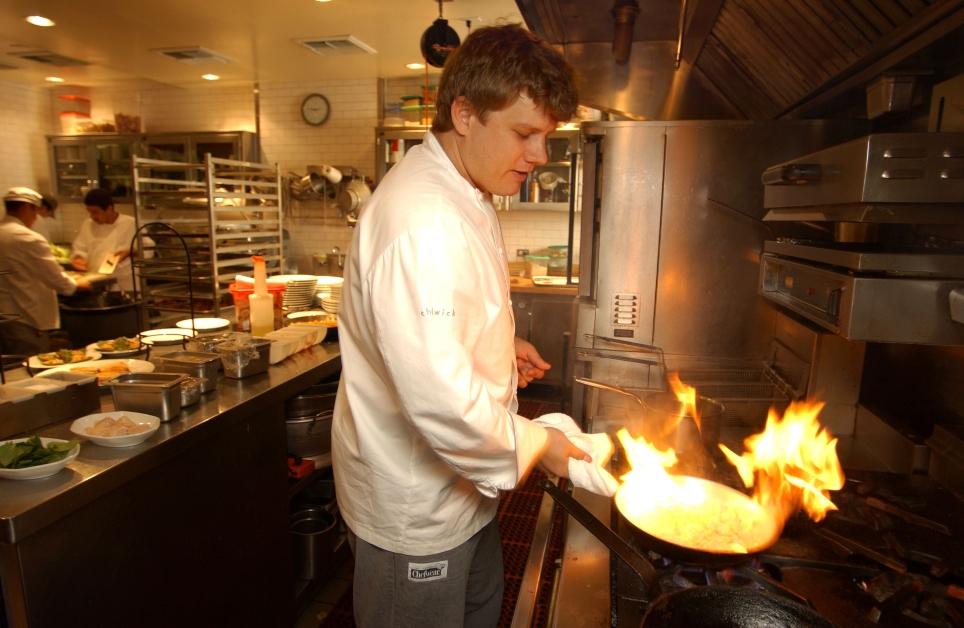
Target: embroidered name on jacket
436, 312
426, 572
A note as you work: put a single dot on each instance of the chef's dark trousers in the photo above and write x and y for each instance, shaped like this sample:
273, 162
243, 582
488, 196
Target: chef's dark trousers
460, 587
23, 339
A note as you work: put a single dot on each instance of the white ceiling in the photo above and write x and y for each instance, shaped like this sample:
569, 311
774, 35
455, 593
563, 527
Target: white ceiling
117, 37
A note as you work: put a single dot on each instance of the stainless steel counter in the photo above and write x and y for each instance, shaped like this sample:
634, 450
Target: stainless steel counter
30, 505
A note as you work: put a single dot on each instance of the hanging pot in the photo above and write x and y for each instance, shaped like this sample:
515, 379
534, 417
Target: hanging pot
438, 42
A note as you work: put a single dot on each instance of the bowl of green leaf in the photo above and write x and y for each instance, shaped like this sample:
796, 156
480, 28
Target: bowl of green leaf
35, 457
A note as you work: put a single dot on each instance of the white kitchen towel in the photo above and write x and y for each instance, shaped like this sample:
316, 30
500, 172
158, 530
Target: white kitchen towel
591, 476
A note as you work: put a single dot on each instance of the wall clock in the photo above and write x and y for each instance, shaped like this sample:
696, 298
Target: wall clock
315, 109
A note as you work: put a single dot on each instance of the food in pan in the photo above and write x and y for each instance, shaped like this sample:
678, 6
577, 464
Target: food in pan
119, 344
104, 373
63, 356
121, 426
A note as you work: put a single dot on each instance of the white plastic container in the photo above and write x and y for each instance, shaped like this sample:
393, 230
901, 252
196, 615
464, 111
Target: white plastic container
261, 302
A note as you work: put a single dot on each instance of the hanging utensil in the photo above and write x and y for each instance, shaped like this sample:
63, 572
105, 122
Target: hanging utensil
438, 41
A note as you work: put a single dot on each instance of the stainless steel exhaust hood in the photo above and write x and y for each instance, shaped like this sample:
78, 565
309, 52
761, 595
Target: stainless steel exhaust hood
740, 59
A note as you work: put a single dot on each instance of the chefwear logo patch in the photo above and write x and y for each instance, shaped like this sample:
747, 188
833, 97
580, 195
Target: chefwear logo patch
437, 312
427, 572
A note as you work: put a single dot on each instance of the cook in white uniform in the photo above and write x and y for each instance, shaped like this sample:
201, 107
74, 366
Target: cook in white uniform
105, 234
30, 278
425, 432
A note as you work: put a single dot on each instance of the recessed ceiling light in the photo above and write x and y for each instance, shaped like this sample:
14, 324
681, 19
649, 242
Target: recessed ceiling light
415, 66
54, 79
39, 20
210, 77
322, 0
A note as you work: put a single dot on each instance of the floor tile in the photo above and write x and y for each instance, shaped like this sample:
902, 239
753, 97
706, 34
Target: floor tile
313, 615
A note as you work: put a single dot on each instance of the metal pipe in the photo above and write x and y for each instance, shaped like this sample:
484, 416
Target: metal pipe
624, 16
681, 30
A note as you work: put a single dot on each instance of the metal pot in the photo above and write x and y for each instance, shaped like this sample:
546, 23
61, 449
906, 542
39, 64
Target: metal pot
89, 318
309, 436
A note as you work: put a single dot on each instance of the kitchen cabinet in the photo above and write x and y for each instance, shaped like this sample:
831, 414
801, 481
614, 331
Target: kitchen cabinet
553, 185
79, 163
547, 320
82, 162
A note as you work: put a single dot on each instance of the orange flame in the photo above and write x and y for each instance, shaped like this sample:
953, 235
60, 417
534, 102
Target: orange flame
687, 397
792, 464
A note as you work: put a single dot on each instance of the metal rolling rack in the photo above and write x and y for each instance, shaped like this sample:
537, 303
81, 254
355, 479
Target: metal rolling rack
225, 210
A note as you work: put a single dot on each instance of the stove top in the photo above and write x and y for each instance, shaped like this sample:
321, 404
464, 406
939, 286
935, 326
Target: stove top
889, 556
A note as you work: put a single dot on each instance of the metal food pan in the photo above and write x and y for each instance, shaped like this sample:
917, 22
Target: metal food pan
236, 360
158, 394
204, 366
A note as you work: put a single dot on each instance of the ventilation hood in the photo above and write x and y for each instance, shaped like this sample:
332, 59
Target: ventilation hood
744, 59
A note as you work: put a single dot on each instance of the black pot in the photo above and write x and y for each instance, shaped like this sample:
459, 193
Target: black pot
88, 318
438, 42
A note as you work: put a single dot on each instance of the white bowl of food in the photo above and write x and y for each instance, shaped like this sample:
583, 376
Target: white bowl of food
14, 457
120, 428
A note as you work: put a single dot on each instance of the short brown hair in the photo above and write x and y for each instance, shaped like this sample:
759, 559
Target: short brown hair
495, 65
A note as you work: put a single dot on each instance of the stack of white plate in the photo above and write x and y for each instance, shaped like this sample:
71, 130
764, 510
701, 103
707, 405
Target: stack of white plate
328, 293
299, 290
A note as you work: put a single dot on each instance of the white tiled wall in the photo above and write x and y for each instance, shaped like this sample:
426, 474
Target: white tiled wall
347, 139
24, 120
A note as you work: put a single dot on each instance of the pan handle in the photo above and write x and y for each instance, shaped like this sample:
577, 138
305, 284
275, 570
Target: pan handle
616, 389
610, 539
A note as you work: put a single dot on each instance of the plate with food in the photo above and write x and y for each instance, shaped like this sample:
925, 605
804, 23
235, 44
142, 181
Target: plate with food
120, 347
116, 429
104, 370
61, 357
35, 457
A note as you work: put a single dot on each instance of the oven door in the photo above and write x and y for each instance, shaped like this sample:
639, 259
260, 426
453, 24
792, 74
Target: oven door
870, 308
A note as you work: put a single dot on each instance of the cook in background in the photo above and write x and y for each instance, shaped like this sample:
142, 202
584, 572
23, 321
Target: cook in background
104, 236
45, 216
30, 277
426, 431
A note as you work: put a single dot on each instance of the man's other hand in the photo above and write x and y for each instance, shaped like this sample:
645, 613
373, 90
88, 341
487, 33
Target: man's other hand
528, 362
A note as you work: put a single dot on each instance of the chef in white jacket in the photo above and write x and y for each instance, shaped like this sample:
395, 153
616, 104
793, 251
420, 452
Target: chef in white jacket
30, 277
426, 433
104, 236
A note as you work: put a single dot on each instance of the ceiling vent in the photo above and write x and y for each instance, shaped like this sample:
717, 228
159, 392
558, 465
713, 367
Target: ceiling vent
50, 58
193, 55
336, 45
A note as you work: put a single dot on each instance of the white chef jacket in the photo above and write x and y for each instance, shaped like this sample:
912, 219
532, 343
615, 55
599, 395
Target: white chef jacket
425, 432
96, 242
30, 289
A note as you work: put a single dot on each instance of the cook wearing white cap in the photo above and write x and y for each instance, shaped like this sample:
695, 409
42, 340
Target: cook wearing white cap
30, 277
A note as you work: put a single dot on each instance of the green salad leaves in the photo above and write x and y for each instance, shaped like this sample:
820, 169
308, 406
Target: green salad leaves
31, 452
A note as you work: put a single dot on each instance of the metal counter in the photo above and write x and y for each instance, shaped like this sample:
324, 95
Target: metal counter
30, 505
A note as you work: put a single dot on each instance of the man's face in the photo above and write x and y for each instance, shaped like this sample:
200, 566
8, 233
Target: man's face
102, 216
27, 214
499, 153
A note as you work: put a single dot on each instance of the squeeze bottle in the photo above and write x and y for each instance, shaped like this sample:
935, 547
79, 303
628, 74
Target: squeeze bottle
262, 303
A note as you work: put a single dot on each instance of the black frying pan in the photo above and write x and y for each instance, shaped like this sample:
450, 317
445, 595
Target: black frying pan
730, 607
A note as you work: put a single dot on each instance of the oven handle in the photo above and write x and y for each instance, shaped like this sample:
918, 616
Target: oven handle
792, 174
633, 559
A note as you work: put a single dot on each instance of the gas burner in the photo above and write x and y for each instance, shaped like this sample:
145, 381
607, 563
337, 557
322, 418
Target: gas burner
887, 557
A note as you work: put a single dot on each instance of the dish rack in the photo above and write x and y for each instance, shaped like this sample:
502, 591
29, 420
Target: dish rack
225, 210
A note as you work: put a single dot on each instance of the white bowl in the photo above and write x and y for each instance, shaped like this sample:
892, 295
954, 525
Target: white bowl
41, 470
80, 426
165, 336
